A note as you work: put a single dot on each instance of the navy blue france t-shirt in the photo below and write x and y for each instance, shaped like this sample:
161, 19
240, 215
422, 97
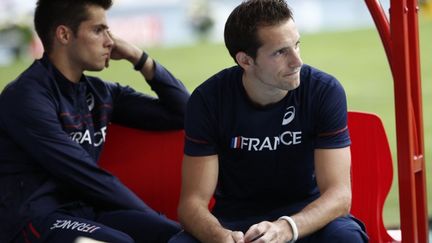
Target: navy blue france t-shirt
266, 154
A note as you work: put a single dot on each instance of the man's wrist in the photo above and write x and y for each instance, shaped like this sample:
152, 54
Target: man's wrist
217, 235
293, 227
141, 61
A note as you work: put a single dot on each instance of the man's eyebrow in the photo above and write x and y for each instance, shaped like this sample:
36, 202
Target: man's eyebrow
104, 26
286, 47
282, 49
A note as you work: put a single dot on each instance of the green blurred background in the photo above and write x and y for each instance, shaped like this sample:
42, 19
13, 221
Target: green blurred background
355, 57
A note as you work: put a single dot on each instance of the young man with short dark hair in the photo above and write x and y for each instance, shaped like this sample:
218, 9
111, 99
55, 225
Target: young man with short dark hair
53, 122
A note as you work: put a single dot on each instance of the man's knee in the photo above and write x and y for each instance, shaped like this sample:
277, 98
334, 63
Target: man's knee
104, 234
141, 226
344, 229
183, 237
349, 236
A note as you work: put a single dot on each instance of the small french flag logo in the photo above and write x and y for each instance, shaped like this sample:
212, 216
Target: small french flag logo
236, 142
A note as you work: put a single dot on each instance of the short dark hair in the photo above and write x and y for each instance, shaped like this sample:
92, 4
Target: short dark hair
241, 27
51, 13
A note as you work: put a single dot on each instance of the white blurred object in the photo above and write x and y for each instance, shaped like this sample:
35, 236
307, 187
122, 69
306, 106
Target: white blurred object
395, 234
14, 11
6, 56
83, 239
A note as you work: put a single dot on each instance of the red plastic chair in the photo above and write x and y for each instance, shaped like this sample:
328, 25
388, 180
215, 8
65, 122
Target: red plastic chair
147, 162
372, 172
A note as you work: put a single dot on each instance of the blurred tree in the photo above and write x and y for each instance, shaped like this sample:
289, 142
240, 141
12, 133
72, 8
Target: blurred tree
426, 6
15, 39
200, 18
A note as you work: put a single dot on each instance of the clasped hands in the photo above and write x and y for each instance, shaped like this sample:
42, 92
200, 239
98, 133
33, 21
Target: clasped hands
263, 232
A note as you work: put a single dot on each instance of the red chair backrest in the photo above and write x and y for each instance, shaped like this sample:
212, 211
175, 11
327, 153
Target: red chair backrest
371, 172
147, 162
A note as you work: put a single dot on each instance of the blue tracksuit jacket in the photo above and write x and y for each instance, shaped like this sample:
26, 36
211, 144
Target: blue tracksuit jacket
52, 132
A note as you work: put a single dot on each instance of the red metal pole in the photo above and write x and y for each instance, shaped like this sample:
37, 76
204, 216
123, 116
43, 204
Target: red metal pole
402, 48
404, 120
416, 97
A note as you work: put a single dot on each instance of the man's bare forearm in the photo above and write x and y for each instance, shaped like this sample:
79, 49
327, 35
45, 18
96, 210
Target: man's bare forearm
329, 206
198, 221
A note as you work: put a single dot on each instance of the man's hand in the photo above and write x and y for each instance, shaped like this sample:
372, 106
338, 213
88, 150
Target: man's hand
234, 237
123, 50
277, 232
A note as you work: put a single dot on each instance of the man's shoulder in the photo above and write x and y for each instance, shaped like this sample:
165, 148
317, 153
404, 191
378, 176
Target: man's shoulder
319, 87
314, 77
30, 79
98, 81
219, 89
221, 80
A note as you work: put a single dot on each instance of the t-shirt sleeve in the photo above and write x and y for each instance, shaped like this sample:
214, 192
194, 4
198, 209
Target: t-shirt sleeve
332, 129
200, 126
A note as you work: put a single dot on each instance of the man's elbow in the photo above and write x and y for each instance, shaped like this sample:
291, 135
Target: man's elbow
182, 213
189, 211
186, 212
345, 203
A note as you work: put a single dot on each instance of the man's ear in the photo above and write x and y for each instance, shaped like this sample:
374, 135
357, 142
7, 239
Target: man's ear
244, 60
63, 34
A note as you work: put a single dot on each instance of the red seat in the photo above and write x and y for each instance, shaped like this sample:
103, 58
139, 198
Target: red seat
372, 172
147, 162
